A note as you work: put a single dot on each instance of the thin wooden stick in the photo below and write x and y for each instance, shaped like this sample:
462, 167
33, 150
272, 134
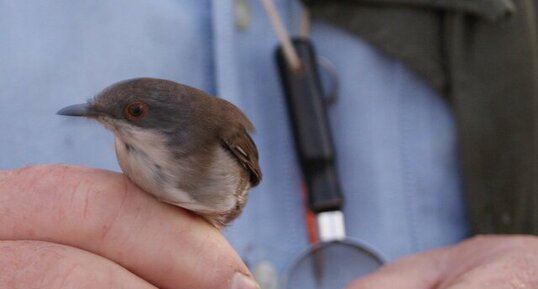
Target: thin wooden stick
283, 37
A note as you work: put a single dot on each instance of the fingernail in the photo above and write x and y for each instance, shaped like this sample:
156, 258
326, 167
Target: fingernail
241, 281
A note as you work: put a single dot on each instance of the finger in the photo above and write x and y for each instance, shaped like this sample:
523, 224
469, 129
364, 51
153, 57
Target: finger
102, 212
34, 264
4, 174
419, 271
499, 261
514, 271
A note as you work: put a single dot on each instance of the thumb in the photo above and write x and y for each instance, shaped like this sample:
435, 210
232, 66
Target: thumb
421, 271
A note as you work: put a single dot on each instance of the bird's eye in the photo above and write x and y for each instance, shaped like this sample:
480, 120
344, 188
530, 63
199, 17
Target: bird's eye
136, 110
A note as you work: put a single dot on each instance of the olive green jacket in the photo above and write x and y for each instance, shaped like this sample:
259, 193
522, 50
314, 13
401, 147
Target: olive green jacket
483, 56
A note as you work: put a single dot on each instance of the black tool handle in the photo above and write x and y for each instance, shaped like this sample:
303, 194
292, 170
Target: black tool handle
310, 126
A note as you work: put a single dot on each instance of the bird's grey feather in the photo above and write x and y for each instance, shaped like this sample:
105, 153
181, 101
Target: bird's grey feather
191, 149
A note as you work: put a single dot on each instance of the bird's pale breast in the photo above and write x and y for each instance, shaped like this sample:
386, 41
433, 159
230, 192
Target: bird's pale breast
145, 159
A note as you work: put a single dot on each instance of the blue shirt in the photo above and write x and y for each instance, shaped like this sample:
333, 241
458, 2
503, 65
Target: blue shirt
395, 137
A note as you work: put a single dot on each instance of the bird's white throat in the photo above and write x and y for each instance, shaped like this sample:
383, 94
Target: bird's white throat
143, 156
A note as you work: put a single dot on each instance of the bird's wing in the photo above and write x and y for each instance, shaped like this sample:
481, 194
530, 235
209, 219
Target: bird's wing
242, 147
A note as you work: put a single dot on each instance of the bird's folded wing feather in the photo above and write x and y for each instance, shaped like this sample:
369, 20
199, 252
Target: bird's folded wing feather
242, 147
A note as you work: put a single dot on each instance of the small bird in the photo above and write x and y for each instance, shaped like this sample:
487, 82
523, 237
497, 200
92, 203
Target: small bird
180, 144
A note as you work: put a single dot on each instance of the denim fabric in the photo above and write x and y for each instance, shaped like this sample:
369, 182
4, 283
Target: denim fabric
394, 136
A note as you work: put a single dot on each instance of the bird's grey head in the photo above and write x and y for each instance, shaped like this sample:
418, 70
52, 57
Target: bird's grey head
148, 104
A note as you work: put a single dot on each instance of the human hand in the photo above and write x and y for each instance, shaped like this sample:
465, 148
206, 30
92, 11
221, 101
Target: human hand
75, 227
492, 262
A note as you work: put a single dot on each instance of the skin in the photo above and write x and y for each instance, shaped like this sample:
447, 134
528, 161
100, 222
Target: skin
75, 227
492, 262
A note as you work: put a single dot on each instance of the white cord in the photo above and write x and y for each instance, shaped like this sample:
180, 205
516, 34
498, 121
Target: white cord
287, 47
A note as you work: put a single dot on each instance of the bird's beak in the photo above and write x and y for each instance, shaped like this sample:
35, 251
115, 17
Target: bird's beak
82, 109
